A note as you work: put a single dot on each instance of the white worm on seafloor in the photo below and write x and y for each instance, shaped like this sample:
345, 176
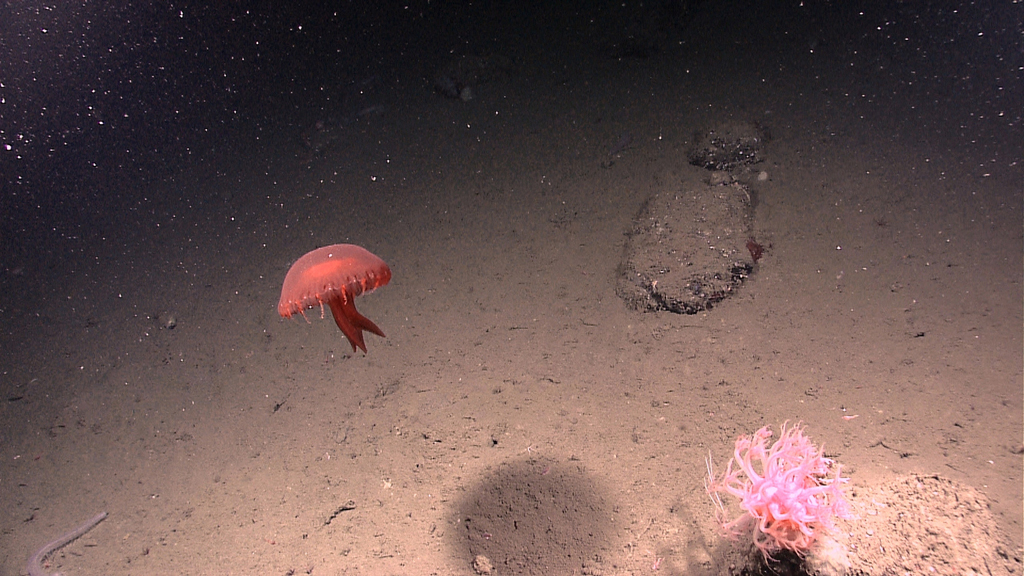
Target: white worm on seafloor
35, 564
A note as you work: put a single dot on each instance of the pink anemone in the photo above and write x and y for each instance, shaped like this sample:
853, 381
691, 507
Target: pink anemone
788, 492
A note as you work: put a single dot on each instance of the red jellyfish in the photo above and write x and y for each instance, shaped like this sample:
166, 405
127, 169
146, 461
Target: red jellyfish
335, 275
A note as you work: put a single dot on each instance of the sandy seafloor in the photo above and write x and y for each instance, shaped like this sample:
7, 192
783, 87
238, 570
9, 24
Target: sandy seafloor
241, 443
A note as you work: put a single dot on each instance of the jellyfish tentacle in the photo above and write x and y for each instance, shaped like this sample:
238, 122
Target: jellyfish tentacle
344, 322
351, 322
360, 320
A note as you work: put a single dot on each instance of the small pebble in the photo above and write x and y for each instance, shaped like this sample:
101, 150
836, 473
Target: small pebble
482, 565
720, 178
762, 176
